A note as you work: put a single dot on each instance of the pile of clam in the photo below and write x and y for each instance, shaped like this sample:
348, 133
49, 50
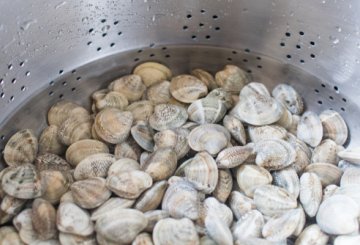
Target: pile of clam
190, 159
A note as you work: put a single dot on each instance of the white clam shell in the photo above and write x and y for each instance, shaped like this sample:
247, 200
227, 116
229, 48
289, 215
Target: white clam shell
351, 155
288, 179
240, 204
347, 240
218, 230
312, 235
334, 126
110, 205
250, 177
310, 129
235, 128
257, 134
327, 152
232, 78
249, 225
351, 176
288, 96
327, 173
152, 197
168, 116
213, 207
206, 110
224, 185
234, 156
310, 193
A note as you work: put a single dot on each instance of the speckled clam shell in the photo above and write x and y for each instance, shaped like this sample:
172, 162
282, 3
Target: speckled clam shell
234, 156
12, 205
235, 128
113, 125
82, 149
143, 134
266, 132
152, 72
49, 161
167, 116
23, 224
141, 110
338, 215
112, 99
249, 225
240, 204
9, 236
334, 126
218, 230
152, 197
49, 141
62, 110
128, 149
312, 234
110, 205
22, 182
327, 152
96, 165
310, 129
143, 239
74, 220
130, 85
351, 176
212, 206
288, 179
54, 184
288, 96
187, 88
310, 193
161, 164
71, 239
21, 148
209, 137
232, 78
174, 138
352, 155
205, 77
175, 232
222, 95
274, 154
206, 110
44, 219
159, 93
123, 165
153, 216
327, 173
75, 128
250, 177
224, 185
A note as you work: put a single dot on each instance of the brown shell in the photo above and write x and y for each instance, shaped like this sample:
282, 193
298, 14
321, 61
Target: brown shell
224, 185
49, 161
152, 72
128, 149
96, 165
141, 110
232, 78
159, 93
161, 164
152, 197
62, 110
54, 184
205, 77
44, 219
49, 141
75, 128
187, 88
167, 116
112, 99
130, 85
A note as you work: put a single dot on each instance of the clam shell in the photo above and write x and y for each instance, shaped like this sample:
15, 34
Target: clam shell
209, 137
96, 165
258, 241
205, 77
141, 110
175, 138
232, 79
303, 154
54, 184
23, 224
67, 197
274, 154
49, 141
334, 126
213, 207
249, 225
123, 165
343, 165
44, 219
143, 135
206, 110
175, 232
294, 124
310, 193
110, 205
75, 128
130, 85
71, 239
288, 179
224, 185
270, 132
234, 156
112, 99
152, 72
121, 225
205, 240
128, 149
49, 161
159, 93
351, 155
11, 205
143, 239
9, 236
152, 197
351, 176
338, 215
235, 128
301, 223
62, 110
218, 230
21, 148
272, 200
222, 95
161, 164
187, 88
352, 191
84, 148
167, 116
327, 173
250, 177
22, 182
153, 216
113, 125
285, 119
310, 129
288, 96
326, 152
90, 193
312, 235
347, 240
329, 190
240, 204
5, 217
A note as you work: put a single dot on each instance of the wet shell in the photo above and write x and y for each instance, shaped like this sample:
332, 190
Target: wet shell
152, 197
249, 225
288, 96
128, 149
235, 128
153, 217
223, 96
209, 137
224, 185
90, 193
310, 129
232, 79
338, 215
175, 138
62, 110
112, 100
167, 116
49, 141
233, 156
130, 85
347, 240
21, 148
334, 126
71, 239
351, 155
218, 230
84, 148
49, 161
141, 110
159, 93
274, 154
113, 125
75, 128
288, 179
240, 204
326, 152
143, 239
110, 205
23, 224
143, 135
129, 184
310, 193
74, 220
9, 236
152, 72
161, 164
250, 177
175, 232
123, 165
312, 235
272, 200
206, 110
187, 88
205, 77
96, 165
44, 219
22, 182
351, 176
54, 185
11, 205
327, 173
270, 132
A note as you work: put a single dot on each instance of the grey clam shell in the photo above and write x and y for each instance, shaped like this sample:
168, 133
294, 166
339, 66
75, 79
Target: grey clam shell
288, 96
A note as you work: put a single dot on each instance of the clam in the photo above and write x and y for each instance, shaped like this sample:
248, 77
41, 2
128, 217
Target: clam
270, 132
301, 223
98, 94
187, 88
327, 173
75, 128
326, 152
224, 185
338, 215
123, 165
240, 204
175, 232
205, 77
54, 184
152, 72
71, 239
294, 124
234, 156
288, 179
153, 216
351, 176
90, 193
329, 190
121, 225
11, 205
218, 230
159, 93
235, 128
112, 99
131, 86
22, 182
206, 240
232, 79
62, 110
303, 153
222, 95
288, 96
167, 116
67, 197
249, 225
206, 110
9, 236
84, 148
209, 137
347, 240
24, 226
334, 126
128, 149
250, 177
343, 165
213, 207
110, 205
21, 148
143, 239
351, 155
5, 217
49, 161
352, 191
151, 198
310, 129
312, 235
44, 219
310, 193
49, 141
113, 125
141, 110
143, 134
161, 164
274, 154
175, 138
258, 241
96, 165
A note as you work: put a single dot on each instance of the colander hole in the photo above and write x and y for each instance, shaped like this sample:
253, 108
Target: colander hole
319, 102
13, 81
331, 98
119, 33
89, 43
288, 34
73, 71
249, 71
259, 66
2, 95
98, 49
301, 33
312, 56
151, 45
139, 51
323, 85
136, 59
27, 73
229, 59
298, 46
104, 34
64, 83
202, 11
316, 91
152, 55
258, 58
112, 44
189, 16
116, 22
61, 96
164, 48
91, 30
103, 20
73, 89
2, 137
51, 83
51, 93
312, 43
302, 61
201, 24
193, 37
167, 56
234, 52
336, 88
22, 63
245, 60
342, 108
215, 17
23, 88
207, 36
12, 98
61, 71
343, 99
10, 67
1, 81
247, 50
282, 44
185, 27
288, 56
78, 78
217, 28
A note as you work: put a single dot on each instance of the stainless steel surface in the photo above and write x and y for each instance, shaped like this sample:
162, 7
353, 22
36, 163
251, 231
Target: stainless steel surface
65, 49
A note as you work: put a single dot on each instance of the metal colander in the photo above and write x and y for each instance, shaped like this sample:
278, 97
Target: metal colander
53, 50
